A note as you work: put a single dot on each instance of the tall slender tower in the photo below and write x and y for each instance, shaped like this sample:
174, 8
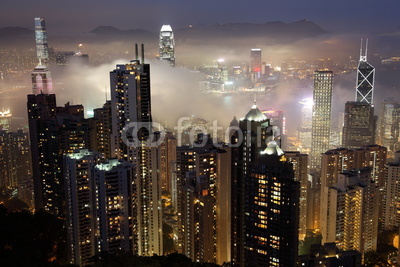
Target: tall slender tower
42, 49
359, 121
41, 76
167, 44
321, 121
131, 103
365, 78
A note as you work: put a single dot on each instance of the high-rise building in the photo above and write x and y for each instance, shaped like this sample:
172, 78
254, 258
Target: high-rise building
265, 197
304, 130
54, 131
99, 197
167, 44
365, 78
352, 209
101, 127
391, 195
41, 76
359, 125
271, 211
44, 150
115, 207
15, 163
255, 64
5, 121
300, 168
362, 168
131, 103
389, 126
359, 122
42, 49
247, 147
78, 173
321, 120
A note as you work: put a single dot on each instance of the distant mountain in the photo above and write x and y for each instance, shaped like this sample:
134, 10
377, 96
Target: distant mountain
269, 33
276, 30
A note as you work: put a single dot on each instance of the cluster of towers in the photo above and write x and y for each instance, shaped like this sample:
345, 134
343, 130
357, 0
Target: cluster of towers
246, 201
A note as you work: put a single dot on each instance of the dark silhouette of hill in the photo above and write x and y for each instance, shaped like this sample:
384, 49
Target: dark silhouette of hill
272, 32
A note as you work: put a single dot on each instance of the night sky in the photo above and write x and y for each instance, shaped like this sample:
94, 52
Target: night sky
368, 16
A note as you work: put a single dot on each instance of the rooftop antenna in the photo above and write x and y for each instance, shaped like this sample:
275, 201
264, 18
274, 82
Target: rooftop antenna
136, 52
255, 101
142, 53
366, 49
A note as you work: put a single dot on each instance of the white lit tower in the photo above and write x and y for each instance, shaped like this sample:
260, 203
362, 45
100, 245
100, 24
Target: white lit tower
365, 78
41, 76
131, 103
321, 120
359, 121
167, 44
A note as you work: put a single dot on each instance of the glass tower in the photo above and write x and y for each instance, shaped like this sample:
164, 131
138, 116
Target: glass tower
321, 121
42, 49
167, 44
365, 79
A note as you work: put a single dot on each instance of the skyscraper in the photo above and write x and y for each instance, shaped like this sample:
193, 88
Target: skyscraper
359, 125
391, 195
99, 197
255, 128
41, 76
255, 64
321, 121
352, 209
365, 78
80, 209
42, 49
389, 126
131, 103
271, 211
304, 131
300, 164
359, 121
167, 45
265, 197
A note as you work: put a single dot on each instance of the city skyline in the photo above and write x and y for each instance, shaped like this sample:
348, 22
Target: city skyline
134, 156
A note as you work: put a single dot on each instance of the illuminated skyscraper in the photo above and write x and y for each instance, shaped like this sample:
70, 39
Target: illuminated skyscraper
304, 131
255, 64
265, 197
359, 125
391, 195
271, 211
167, 44
389, 126
41, 76
359, 121
352, 209
321, 120
99, 201
131, 103
42, 49
365, 78
299, 162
